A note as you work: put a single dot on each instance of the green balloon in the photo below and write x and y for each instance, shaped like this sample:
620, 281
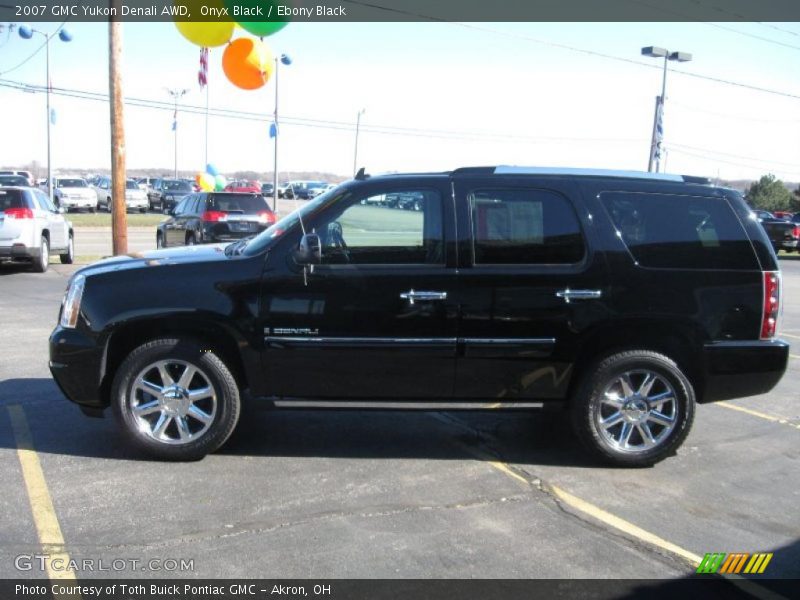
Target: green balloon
249, 14
220, 183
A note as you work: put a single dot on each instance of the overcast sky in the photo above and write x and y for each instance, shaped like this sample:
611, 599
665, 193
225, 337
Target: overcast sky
437, 96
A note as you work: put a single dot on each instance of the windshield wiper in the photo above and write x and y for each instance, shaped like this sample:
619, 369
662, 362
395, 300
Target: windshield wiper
238, 247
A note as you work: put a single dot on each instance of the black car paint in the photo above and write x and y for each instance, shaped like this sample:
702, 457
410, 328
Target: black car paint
342, 331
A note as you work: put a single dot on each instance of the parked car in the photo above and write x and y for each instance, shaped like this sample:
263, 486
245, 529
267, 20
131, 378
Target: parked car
135, 198
783, 234
146, 183
32, 228
167, 193
245, 186
30, 181
267, 189
212, 217
13, 180
74, 193
625, 298
782, 214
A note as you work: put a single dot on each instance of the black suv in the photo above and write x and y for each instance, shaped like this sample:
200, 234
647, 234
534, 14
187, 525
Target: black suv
211, 217
167, 193
623, 297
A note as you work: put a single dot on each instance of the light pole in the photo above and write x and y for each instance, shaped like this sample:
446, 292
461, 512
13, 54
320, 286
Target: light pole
283, 59
355, 150
176, 94
26, 33
657, 137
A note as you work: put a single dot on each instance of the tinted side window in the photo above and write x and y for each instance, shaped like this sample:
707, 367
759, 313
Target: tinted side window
680, 232
183, 205
519, 226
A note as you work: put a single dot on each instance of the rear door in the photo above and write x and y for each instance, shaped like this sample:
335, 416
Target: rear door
530, 285
173, 228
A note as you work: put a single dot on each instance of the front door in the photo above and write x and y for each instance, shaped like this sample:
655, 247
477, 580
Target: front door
376, 319
530, 287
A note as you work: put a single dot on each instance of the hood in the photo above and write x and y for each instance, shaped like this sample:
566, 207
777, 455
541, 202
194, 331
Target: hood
82, 191
159, 259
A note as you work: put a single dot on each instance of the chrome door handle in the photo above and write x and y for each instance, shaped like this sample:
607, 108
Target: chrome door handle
569, 294
413, 296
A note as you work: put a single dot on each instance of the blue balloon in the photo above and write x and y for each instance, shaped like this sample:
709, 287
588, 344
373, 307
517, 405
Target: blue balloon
25, 32
211, 170
65, 36
285, 59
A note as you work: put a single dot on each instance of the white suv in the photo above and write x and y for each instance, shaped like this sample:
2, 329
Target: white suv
74, 193
31, 228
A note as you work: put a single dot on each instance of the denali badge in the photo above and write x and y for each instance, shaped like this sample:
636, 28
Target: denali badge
291, 331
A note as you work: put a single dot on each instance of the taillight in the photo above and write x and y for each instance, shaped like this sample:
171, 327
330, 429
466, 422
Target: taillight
19, 213
214, 216
796, 232
772, 304
266, 216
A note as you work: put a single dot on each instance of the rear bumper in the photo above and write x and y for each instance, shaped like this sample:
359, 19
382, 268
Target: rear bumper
76, 363
742, 368
16, 250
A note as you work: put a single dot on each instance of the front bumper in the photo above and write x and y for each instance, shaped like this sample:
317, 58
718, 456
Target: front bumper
76, 363
77, 202
742, 368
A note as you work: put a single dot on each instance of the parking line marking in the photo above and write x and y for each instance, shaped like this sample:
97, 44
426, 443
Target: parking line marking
760, 415
794, 356
791, 335
44, 515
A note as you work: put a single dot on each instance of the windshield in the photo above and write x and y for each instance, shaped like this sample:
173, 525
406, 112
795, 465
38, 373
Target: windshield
177, 186
290, 221
131, 185
70, 183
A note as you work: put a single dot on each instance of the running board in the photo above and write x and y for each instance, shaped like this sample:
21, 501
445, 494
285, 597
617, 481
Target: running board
400, 405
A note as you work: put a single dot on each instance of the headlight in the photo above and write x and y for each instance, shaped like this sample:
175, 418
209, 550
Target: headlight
72, 302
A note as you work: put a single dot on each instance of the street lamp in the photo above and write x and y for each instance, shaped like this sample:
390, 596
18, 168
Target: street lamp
355, 151
283, 59
176, 94
657, 137
26, 32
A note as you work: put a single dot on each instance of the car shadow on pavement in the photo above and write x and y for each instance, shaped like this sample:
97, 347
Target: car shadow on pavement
14, 268
58, 427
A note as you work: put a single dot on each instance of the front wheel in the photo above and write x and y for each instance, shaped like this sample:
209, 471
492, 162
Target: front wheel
159, 240
175, 399
633, 408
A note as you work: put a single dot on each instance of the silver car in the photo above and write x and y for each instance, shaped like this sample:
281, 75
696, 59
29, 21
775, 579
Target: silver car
31, 228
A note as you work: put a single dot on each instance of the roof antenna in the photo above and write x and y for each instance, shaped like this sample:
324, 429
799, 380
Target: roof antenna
361, 175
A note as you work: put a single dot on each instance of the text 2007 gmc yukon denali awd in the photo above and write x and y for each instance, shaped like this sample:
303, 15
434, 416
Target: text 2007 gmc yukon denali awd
625, 297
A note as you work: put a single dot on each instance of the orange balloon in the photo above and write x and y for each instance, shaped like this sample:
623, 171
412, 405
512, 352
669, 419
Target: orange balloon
247, 63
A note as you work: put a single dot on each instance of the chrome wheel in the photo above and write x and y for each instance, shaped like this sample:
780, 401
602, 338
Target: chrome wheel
173, 402
637, 411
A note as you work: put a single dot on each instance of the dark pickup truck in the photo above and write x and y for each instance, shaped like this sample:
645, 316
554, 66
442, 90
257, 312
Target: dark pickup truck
784, 235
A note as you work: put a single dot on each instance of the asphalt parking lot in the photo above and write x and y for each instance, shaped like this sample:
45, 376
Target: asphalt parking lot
383, 495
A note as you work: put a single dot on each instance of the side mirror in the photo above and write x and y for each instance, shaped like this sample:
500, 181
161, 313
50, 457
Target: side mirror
309, 252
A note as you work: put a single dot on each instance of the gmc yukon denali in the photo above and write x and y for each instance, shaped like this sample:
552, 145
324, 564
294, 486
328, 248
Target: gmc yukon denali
623, 297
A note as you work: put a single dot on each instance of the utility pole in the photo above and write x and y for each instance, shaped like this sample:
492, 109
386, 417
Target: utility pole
119, 218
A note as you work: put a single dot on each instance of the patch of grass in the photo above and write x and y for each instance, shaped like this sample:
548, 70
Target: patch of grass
104, 219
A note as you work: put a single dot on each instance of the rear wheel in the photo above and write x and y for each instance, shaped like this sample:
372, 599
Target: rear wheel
41, 262
69, 256
175, 399
190, 239
633, 408
159, 240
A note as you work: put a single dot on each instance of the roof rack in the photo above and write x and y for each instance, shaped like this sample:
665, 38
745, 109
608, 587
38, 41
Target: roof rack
513, 170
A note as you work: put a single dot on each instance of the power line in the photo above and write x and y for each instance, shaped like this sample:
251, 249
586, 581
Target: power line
775, 27
793, 164
752, 35
736, 164
34, 53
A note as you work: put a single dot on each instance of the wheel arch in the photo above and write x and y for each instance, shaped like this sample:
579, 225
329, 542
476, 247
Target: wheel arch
680, 342
218, 338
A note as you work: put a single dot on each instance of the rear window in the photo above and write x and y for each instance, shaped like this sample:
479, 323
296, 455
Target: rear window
248, 204
13, 180
12, 199
680, 232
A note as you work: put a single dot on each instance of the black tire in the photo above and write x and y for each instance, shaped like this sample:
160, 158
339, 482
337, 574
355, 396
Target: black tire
592, 402
190, 239
69, 256
41, 262
142, 210
210, 366
159, 240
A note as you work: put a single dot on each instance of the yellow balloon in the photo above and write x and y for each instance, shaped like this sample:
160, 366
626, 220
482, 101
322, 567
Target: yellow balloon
206, 35
207, 182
